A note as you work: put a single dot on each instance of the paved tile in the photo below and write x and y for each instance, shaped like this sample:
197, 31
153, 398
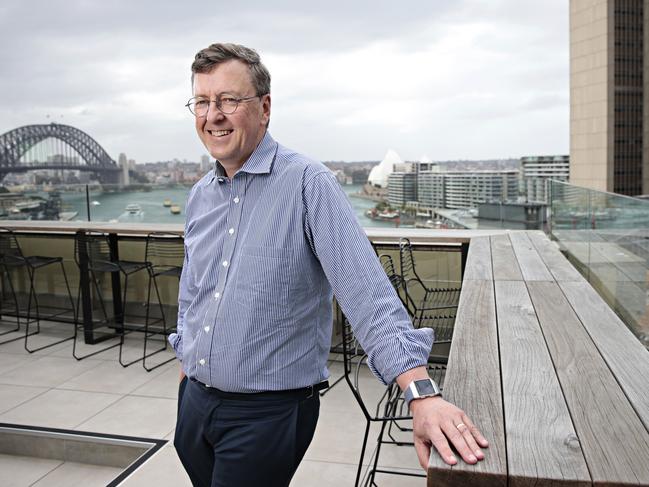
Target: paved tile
11, 361
110, 376
72, 474
162, 470
313, 473
12, 396
46, 371
164, 384
58, 408
17, 471
148, 417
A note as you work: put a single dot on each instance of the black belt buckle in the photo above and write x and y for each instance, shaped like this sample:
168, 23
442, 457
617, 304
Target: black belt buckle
309, 391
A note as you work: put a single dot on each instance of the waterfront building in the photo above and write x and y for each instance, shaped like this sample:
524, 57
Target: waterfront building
608, 109
402, 188
123, 164
430, 189
467, 189
205, 163
379, 174
536, 172
513, 215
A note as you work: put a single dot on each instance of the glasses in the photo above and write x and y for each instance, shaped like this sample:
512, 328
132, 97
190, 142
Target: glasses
226, 104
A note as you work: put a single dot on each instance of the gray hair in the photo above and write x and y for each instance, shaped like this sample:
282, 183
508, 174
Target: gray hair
207, 58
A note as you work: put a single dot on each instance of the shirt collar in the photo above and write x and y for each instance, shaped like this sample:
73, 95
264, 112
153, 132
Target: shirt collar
259, 162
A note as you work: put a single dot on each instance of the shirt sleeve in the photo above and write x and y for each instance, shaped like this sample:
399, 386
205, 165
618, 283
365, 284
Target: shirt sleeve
186, 293
360, 285
186, 290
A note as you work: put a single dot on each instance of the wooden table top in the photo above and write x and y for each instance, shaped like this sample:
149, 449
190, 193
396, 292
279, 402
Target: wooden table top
554, 379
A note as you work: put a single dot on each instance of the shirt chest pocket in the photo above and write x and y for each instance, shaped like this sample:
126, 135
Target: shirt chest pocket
263, 282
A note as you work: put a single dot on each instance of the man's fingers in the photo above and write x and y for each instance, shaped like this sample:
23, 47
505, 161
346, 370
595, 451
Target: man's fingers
470, 440
440, 443
423, 453
475, 432
455, 436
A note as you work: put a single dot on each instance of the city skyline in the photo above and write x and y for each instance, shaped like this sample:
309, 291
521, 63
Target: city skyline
448, 81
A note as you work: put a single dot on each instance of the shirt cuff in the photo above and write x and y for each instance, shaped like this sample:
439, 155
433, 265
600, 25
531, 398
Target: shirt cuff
176, 342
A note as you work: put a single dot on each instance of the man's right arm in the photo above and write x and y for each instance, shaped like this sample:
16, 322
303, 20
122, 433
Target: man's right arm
185, 297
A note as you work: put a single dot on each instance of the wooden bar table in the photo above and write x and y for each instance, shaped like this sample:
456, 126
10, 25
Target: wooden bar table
553, 378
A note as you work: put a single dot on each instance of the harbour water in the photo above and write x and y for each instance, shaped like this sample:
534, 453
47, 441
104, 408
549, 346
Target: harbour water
110, 206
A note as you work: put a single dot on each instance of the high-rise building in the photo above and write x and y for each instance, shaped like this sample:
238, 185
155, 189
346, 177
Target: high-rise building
402, 188
205, 163
467, 189
608, 112
536, 172
430, 189
123, 164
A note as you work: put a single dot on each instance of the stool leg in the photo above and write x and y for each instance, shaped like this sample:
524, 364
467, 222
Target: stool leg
15, 300
146, 326
76, 330
32, 288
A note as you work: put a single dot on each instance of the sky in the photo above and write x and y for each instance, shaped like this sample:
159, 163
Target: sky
442, 79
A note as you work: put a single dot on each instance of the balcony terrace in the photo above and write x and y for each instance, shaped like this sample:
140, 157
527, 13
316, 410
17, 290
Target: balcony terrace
513, 367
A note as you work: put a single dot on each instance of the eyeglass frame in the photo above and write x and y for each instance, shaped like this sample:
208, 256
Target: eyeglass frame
218, 102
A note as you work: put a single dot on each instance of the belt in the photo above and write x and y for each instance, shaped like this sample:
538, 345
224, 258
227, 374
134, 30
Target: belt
302, 393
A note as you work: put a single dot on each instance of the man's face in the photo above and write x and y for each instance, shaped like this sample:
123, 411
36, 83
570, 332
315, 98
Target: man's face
231, 138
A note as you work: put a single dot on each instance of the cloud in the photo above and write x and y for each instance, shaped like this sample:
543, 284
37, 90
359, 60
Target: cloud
350, 79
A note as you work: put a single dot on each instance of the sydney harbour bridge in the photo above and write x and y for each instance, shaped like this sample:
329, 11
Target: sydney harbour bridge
55, 146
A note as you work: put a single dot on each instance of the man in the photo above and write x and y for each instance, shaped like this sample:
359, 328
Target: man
269, 237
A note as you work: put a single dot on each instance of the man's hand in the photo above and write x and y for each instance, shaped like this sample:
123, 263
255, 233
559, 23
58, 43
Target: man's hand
182, 374
436, 422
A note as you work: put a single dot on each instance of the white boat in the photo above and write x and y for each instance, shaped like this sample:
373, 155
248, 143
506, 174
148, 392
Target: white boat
96, 203
133, 209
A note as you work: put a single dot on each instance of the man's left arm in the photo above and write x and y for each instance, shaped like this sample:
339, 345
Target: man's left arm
395, 350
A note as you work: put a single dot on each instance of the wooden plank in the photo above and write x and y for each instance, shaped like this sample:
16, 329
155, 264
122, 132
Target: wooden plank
627, 358
612, 436
478, 262
542, 446
505, 265
532, 266
558, 265
473, 383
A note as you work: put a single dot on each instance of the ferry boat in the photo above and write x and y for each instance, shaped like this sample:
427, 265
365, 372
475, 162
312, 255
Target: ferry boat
133, 209
167, 203
387, 215
175, 209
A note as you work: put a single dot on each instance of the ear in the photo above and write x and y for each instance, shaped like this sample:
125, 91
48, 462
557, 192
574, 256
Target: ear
265, 107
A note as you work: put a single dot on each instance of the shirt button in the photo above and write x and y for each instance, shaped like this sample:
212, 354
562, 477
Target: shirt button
202, 361
207, 328
236, 199
225, 263
217, 295
231, 231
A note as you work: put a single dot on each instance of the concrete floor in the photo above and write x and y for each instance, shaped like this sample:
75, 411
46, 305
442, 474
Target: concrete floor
50, 388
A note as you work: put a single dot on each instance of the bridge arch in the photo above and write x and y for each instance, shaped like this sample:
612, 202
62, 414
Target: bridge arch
15, 143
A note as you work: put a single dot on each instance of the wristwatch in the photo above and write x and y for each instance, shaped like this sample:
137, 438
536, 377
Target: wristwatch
419, 389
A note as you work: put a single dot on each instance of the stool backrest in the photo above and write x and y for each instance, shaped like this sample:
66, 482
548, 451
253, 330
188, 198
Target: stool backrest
9, 246
164, 249
96, 247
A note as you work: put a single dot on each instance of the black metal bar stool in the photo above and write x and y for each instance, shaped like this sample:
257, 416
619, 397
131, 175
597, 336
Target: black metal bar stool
164, 253
95, 255
12, 258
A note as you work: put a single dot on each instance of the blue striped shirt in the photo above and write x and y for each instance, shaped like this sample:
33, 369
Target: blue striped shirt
265, 251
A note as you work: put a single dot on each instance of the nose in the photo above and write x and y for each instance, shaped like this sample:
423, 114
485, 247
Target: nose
214, 113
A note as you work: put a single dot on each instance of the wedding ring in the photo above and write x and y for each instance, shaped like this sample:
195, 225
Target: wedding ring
460, 425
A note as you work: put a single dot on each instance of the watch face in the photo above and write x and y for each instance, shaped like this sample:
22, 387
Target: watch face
425, 387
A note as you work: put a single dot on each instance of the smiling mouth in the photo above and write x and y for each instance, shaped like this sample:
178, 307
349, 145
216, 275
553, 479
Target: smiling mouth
219, 133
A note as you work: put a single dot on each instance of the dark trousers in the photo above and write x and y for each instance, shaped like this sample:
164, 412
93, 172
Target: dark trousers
241, 440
